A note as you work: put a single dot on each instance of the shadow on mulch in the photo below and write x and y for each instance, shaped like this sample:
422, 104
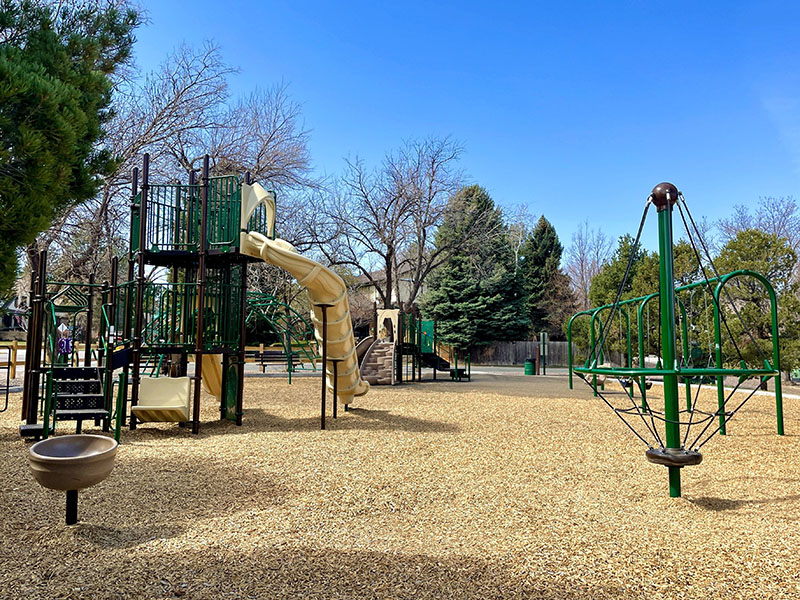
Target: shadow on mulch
723, 504
123, 537
147, 499
9, 435
258, 420
309, 572
356, 419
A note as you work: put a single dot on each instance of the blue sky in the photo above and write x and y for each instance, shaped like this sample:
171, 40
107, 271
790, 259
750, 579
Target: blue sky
576, 109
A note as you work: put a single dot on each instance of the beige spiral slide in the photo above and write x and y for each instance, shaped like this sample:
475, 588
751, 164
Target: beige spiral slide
324, 287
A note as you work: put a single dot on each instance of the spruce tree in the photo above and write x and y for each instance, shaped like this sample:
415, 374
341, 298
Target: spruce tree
476, 296
550, 299
55, 93
606, 283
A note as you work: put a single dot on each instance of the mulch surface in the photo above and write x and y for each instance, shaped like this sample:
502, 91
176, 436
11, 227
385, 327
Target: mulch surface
479, 490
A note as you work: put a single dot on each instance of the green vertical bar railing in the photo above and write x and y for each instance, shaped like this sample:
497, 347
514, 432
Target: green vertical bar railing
776, 352
685, 346
640, 325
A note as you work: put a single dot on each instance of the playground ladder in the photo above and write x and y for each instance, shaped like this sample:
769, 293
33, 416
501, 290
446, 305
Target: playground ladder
78, 395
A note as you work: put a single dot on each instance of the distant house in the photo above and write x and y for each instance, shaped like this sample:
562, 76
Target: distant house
13, 314
369, 292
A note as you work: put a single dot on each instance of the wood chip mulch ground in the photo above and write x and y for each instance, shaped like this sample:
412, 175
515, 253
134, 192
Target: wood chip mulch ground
490, 489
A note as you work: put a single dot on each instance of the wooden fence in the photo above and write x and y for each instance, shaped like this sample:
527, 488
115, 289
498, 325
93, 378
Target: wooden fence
9, 360
515, 353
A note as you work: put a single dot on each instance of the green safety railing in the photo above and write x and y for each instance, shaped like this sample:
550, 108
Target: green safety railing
166, 324
174, 214
294, 331
173, 217
259, 222
224, 212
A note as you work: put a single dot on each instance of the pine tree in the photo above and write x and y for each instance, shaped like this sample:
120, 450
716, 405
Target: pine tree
550, 299
606, 283
476, 296
55, 93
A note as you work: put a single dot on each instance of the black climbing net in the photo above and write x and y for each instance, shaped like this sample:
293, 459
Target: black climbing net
698, 422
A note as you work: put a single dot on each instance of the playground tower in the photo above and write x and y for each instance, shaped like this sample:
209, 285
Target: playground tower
185, 295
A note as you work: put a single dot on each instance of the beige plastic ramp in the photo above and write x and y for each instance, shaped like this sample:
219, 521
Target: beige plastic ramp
212, 374
164, 399
324, 287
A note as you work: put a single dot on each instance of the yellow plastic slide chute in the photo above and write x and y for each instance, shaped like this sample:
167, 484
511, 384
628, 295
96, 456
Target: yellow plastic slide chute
324, 287
212, 374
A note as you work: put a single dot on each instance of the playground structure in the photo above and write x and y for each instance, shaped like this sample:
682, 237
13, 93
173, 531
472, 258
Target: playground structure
676, 364
403, 344
185, 295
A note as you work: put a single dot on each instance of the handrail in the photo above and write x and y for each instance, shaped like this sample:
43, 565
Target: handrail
105, 318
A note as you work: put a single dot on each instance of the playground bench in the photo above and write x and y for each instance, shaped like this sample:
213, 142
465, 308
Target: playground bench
276, 357
459, 374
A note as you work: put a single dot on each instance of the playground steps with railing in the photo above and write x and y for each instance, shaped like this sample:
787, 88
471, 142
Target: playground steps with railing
378, 365
78, 394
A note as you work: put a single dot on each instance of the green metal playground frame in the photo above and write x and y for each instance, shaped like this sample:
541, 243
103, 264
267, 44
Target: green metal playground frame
664, 197
719, 371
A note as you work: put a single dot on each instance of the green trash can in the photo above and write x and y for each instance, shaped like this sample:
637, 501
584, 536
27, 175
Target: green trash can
530, 366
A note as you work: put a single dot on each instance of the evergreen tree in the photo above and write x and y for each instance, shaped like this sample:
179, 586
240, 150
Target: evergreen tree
773, 257
645, 280
55, 93
476, 296
550, 299
606, 283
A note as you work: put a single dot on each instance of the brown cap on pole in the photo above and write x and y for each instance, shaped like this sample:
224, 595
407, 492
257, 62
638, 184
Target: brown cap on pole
664, 195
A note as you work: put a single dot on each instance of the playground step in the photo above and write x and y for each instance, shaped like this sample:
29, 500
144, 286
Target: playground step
34, 430
377, 369
76, 373
76, 396
75, 414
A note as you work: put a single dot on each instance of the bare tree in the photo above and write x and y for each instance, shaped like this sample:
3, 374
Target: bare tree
182, 96
589, 251
262, 134
381, 223
777, 216
519, 223
179, 113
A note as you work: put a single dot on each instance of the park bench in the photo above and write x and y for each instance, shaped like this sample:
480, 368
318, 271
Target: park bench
266, 357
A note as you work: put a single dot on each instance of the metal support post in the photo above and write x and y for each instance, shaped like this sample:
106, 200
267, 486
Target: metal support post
324, 308
138, 315
87, 351
664, 197
335, 362
201, 300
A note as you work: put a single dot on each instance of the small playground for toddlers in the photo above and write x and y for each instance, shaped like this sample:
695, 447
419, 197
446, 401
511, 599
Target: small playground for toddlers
660, 464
